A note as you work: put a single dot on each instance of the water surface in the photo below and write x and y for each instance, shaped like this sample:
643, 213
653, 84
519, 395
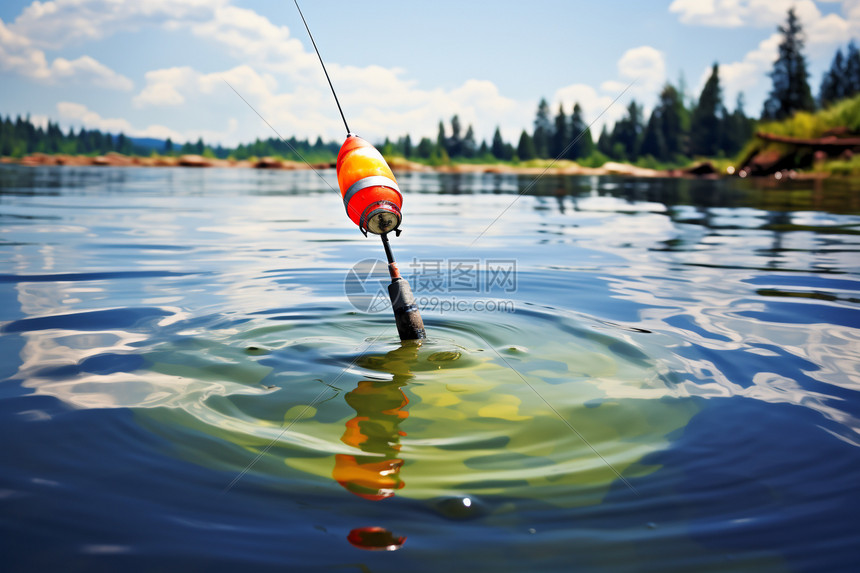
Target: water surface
620, 375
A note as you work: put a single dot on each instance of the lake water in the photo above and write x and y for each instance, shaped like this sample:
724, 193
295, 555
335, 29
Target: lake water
621, 375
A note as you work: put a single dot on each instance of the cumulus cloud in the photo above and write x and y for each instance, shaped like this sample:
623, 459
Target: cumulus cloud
644, 65
79, 115
823, 34
18, 55
87, 70
737, 13
253, 38
641, 73
379, 101
852, 11
164, 87
281, 78
60, 23
740, 76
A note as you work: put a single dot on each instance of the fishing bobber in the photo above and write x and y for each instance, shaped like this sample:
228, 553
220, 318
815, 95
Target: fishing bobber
370, 192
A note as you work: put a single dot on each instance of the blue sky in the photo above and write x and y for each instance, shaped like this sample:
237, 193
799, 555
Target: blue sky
157, 67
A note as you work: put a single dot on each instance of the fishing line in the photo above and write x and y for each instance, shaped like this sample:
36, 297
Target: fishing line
287, 143
551, 163
325, 71
557, 413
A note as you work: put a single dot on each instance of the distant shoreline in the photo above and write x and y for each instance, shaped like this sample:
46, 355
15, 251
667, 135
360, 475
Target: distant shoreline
704, 169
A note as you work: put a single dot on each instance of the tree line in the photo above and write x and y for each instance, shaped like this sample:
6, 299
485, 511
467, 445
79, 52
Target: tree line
21, 136
675, 130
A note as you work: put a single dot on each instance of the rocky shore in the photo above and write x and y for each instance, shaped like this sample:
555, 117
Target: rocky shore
120, 160
699, 170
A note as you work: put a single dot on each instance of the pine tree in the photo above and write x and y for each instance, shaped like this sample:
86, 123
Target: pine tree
469, 146
497, 148
852, 70
441, 140
561, 133
407, 146
653, 142
706, 122
674, 121
387, 148
83, 141
580, 134
425, 148
53, 138
833, 81
738, 128
526, 147
6, 138
626, 135
604, 142
543, 130
790, 90
455, 142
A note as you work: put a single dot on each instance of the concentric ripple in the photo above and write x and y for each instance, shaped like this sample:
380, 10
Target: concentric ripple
538, 404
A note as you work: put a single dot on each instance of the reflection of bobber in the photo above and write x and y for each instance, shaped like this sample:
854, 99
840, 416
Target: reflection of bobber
380, 408
368, 477
370, 192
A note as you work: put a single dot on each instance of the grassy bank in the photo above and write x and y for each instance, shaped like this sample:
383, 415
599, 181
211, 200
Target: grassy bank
841, 120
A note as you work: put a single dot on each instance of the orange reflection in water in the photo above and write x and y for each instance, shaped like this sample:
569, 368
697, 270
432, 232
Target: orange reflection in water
375, 429
380, 408
375, 539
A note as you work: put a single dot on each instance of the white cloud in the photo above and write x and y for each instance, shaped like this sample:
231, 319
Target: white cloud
87, 70
641, 73
738, 13
40, 120
707, 12
644, 65
741, 76
253, 38
379, 101
163, 87
852, 11
18, 55
78, 115
823, 34
61, 23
